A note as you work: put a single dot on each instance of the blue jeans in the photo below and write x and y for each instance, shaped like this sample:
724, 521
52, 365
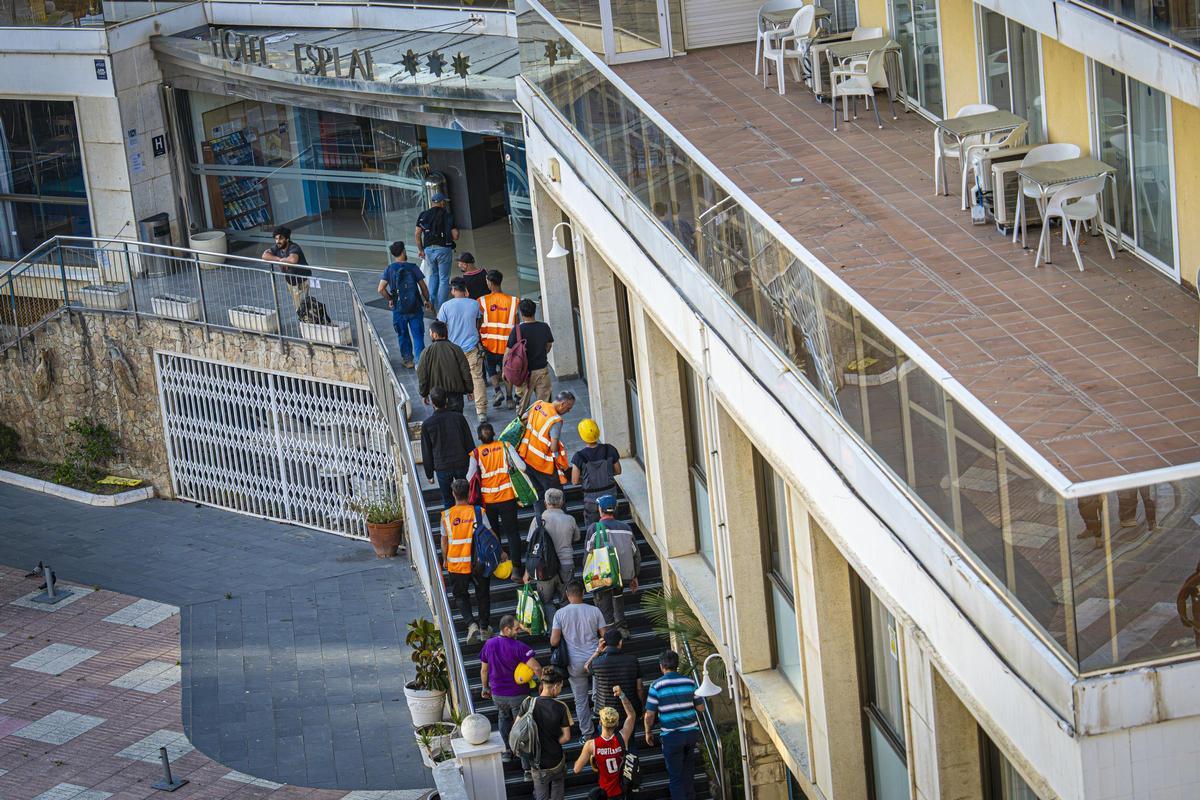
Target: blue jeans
410, 332
679, 752
439, 260
445, 477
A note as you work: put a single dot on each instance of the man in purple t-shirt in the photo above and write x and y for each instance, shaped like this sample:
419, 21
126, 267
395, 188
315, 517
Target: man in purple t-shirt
497, 662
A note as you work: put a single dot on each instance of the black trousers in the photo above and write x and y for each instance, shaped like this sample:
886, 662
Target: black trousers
541, 484
460, 586
503, 519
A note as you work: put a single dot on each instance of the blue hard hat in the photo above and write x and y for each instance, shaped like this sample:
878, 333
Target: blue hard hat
606, 502
440, 198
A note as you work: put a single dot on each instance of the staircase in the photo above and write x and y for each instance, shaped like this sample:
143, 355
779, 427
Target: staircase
644, 642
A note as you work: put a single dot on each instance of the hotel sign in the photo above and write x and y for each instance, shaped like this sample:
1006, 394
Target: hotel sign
310, 59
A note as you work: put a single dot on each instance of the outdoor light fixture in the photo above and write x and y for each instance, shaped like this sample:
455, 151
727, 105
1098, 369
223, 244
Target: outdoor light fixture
558, 250
708, 688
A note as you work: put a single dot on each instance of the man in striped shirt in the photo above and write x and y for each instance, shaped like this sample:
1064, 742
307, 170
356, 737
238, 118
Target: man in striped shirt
672, 700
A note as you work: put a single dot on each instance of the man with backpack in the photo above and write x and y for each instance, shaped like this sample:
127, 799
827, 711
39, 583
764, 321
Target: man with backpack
403, 286
580, 626
611, 600
499, 318
468, 549
594, 467
490, 462
553, 532
436, 235
539, 734
533, 340
606, 751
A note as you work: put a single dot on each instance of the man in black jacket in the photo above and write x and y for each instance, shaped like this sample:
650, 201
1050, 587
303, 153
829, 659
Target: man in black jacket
444, 366
446, 445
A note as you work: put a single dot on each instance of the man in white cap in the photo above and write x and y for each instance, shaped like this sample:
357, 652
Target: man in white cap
436, 235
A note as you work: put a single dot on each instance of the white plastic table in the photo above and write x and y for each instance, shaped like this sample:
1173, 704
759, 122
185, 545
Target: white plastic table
1050, 175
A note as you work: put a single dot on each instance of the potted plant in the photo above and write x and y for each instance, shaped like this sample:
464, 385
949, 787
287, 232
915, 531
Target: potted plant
176, 306
433, 740
426, 693
106, 296
335, 332
253, 318
384, 515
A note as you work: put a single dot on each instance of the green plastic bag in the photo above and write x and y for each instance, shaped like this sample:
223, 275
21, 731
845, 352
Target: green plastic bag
513, 432
530, 614
602, 569
526, 494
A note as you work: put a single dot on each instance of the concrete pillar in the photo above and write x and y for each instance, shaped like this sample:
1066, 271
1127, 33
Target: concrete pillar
602, 346
556, 286
482, 769
746, 560
666, 439
823, 599
767, 777
955, 743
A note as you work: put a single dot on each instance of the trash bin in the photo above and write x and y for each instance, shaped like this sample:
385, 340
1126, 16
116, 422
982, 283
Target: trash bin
155, 230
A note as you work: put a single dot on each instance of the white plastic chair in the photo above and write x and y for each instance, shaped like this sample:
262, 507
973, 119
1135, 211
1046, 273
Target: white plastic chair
764, 26
1075, 204
974, 154
1058, 151
857, 79
949, 147
788, 43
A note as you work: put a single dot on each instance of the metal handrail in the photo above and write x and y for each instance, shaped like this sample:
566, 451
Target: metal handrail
709, 735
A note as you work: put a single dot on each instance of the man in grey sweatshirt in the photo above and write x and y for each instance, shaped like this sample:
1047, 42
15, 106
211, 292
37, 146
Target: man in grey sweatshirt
564, 533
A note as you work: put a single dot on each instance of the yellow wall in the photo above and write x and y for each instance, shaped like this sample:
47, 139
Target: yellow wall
873, 14
1186, 122
1065, 74
961, 75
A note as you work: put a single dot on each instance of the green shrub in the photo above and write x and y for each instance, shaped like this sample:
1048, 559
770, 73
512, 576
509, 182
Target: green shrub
94, 446
10, 443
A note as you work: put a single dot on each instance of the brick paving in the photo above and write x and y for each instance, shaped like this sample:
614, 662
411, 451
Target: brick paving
1096, 370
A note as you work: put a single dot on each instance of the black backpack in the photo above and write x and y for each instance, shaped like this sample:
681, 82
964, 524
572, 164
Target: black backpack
406, 295
438, 233
313, 310
597, 475
631, 769
541, 559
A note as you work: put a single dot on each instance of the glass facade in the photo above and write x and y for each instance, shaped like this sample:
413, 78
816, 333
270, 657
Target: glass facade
915, 27
777, 538
42, 188
1001, 781
61, 13
1012, 64
629, 374
1080, 590
1133, 131
1172, 19
883, 698
697, 452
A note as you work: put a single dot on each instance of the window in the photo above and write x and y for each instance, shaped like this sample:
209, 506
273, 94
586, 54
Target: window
1012, 70
883, 701
844, 14
915, 23
629, 372
697, 452
1001, 781
1133, 124
777, 538
42, 188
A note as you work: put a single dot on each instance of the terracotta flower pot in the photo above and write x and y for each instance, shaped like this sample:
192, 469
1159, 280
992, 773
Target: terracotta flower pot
385, 538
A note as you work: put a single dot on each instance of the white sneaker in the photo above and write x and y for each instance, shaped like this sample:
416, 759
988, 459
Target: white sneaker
473, 633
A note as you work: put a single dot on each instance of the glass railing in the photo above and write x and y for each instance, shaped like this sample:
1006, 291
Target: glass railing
1096, 575
1174, 21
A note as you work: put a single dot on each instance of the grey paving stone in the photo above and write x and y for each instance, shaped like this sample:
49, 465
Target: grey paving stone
147, 749
142, 614
55, 659
252, 781
393, 794
59, 727
151, 677
77, 593
69, 791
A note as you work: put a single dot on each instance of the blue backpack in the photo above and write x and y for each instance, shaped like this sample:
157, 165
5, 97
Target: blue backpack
402, 284
485, 548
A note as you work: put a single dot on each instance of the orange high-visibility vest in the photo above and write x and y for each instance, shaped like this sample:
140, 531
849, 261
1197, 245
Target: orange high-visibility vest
499, 317
493, 473
458, 523
536, 443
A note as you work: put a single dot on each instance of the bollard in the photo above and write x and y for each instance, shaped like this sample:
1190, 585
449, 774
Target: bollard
168, 783
51, 596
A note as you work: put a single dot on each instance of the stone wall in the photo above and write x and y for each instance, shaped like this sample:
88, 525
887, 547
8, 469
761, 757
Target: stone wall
102, 367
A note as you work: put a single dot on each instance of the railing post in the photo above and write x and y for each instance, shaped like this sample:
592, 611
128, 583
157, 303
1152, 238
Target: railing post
62, 271
132, 291
200, 289
278, 313
12, 295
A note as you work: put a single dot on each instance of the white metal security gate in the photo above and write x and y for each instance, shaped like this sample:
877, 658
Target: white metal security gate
270, 444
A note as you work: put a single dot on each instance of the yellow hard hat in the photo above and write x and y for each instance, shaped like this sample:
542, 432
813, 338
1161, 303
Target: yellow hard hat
589, 431
504, 570
523, 674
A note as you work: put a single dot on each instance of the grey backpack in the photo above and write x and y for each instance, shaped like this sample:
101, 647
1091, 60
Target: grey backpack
523, 738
